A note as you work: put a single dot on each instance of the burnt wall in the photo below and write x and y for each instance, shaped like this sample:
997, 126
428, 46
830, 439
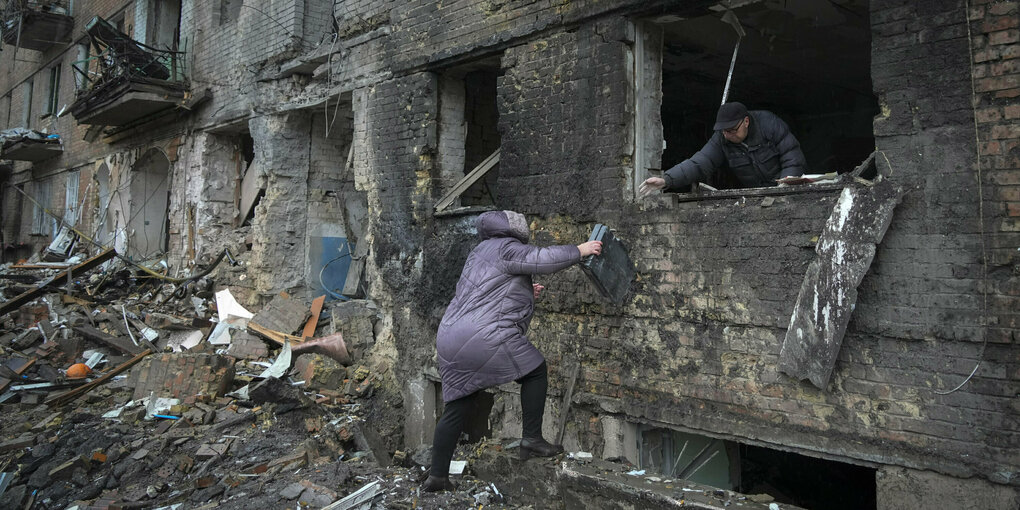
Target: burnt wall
565, 108
696, 346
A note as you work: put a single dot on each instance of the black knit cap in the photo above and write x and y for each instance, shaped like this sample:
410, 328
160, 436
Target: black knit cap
729, 115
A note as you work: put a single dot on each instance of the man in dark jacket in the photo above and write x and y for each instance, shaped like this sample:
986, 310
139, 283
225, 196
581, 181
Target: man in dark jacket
756, 146
481, 341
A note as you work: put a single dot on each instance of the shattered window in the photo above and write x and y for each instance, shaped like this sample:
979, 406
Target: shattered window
808, 63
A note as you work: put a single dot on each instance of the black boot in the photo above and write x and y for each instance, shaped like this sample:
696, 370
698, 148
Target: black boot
532, 447
438, 483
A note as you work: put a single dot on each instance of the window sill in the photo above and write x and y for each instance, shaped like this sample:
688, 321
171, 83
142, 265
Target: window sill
725, 194
853, 178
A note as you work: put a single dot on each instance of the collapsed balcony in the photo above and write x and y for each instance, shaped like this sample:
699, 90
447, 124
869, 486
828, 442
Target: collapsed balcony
125, 80
36, 24
20, 144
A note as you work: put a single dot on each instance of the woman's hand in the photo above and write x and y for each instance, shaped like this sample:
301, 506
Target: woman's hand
536, 289
590, 248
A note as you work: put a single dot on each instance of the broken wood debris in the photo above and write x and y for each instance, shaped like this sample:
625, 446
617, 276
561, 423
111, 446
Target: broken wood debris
29, 295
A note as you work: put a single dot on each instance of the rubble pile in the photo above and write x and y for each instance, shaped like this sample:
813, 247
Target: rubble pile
123, 391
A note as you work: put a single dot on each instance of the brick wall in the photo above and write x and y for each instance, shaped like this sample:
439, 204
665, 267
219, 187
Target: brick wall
182, 376
564, 117
221, 57
697, 345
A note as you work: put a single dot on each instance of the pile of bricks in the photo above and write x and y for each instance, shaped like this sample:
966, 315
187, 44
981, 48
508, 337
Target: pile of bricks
182, 375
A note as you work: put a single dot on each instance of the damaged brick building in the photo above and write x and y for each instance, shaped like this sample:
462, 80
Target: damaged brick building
861, 331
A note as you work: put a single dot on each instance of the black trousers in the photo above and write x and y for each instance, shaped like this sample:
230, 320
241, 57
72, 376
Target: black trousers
534, 386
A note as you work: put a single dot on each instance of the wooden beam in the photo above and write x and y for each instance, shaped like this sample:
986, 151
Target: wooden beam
313, 321
39, 290
275, 336
568, 396
69, 396
469, 179
120, 343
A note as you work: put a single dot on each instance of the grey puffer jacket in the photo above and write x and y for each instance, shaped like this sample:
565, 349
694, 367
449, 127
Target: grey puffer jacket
769, 152
481, 341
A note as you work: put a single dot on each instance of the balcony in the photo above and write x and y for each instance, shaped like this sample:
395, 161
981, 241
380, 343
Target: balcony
20, 144
36, 24
126, 81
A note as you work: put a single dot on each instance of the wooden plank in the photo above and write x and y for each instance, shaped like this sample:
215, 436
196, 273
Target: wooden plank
39, 290
469, 179
275, 336
69, 396
313, 321
120, 343
249, 191
568, 396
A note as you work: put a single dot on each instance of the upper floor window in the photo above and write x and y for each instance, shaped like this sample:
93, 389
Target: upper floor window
26, 104
807, 65
53, 91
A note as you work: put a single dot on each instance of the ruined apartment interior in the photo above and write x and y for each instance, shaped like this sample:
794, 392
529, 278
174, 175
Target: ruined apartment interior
230, 229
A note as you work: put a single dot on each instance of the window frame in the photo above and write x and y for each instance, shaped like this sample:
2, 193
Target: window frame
52, 91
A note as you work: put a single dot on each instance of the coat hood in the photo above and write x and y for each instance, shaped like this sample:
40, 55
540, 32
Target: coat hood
503, 224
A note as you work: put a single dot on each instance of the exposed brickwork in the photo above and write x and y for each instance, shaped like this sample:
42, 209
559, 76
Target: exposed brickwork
696, 347
182, 375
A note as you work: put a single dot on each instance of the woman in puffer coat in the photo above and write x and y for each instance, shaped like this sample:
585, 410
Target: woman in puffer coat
481, 341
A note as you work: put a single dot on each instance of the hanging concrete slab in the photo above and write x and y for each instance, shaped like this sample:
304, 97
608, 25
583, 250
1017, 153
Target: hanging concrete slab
829, 291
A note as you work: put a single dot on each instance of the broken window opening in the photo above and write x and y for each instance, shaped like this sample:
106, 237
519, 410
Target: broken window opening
469, 138
808, 64
230, 11
53, 93
165, 24
790, 478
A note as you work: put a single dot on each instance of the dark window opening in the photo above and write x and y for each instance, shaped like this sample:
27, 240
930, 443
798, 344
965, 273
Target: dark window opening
790, 478
250, 194
230, 11
807, 62
476, 425
482, 137
247, 148
469, 138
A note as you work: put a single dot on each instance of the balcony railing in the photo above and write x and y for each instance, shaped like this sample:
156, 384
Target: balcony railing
36, 24
124, 79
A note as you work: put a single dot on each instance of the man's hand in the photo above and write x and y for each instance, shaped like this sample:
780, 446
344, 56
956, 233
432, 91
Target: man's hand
590, 248
651, 185
537, 289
